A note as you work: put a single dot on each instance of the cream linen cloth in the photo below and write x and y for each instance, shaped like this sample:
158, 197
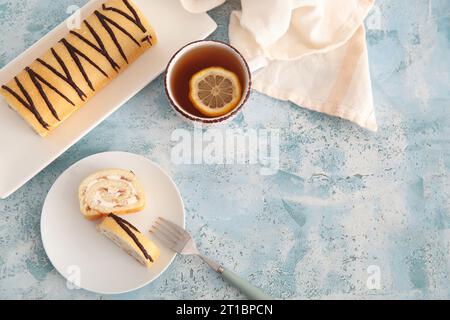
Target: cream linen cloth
310, 52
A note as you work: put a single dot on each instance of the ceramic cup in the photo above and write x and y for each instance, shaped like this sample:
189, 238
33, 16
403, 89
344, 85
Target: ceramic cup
195, 57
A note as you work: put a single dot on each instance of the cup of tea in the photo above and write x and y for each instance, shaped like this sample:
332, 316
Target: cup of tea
208, 81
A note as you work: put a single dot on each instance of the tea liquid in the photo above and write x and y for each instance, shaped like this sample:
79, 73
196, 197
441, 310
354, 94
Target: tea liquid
197, 59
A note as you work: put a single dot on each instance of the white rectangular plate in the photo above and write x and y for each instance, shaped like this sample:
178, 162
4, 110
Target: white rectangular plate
24, 153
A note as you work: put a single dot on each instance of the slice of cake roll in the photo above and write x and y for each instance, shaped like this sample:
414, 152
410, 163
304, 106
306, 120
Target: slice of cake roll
130, 239
115, 191
71, 72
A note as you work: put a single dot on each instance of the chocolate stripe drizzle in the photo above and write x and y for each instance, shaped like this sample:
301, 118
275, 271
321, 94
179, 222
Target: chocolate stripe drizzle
135, 19
125, 225
37, 80
130, 225
148, 39
67, 77
100, 48
77, 55
29, 104
105, 21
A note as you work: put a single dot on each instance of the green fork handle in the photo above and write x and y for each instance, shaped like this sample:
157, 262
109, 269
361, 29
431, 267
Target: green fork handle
252, 292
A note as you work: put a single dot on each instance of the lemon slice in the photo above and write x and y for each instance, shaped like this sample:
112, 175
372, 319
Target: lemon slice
215, 91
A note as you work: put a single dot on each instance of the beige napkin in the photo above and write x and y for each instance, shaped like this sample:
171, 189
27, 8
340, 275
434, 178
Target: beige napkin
310, 52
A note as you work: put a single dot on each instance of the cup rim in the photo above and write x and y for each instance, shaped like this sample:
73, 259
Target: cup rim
206, 120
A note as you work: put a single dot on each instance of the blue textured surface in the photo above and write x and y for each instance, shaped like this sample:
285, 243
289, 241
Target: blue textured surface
343, 200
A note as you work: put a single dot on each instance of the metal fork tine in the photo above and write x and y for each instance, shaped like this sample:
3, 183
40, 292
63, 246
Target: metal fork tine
160, 238
166, 240
163, 241
164, 233
169, 230
173, 226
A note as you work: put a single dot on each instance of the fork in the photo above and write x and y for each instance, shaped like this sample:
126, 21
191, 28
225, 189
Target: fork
179, 240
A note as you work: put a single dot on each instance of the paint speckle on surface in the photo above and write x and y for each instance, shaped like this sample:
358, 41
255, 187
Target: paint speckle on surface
343, 200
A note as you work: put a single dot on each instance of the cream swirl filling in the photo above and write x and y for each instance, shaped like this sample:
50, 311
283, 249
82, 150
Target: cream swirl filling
98, 200
112, 192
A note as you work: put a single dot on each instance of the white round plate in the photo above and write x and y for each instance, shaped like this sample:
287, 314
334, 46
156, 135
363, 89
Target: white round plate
79, 252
